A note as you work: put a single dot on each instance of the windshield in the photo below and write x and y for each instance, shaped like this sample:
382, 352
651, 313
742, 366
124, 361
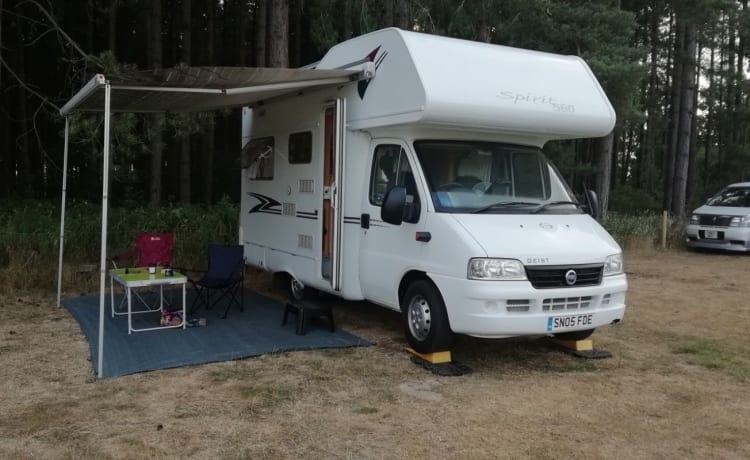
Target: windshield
467, 176
732, 196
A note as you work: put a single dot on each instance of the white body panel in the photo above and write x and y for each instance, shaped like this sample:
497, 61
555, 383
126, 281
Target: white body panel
458, 83
414, 96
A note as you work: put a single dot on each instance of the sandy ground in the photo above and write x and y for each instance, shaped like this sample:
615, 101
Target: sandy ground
677, 386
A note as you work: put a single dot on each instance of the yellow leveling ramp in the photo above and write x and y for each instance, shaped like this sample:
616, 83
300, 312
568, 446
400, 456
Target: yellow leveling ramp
438, 357
576, 345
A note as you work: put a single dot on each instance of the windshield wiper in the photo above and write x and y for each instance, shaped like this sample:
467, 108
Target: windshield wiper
503, 204
553, 203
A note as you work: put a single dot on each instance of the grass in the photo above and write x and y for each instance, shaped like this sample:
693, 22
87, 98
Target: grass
669, 392
715, 356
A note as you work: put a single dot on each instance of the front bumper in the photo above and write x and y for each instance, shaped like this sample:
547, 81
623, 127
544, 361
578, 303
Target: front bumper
494, 309
728, 238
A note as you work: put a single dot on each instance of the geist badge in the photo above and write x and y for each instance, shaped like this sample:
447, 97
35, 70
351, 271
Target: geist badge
571, 277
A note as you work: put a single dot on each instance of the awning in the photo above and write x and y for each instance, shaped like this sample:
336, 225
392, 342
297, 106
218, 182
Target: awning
193, 89
189, 89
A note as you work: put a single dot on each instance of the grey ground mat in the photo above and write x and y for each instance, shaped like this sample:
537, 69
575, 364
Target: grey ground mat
254, 332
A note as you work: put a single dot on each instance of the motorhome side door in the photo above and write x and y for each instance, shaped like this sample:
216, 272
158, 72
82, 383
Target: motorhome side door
388, 251
333, 166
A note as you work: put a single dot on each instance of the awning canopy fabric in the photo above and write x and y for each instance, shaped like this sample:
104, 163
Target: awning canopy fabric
193, 89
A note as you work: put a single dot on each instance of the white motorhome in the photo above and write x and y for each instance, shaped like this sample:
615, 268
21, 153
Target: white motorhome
423, 189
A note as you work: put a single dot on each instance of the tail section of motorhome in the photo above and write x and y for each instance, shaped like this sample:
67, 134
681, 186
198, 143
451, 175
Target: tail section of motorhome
423, 189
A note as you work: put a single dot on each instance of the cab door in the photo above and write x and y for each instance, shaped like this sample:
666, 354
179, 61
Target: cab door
387, 251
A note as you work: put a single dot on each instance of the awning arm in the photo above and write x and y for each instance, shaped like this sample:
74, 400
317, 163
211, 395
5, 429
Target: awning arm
84, 93
288, 85
169, 89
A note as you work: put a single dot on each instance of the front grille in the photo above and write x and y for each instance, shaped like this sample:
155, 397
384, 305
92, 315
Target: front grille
566, 303
545, 277
714, 220
517, 305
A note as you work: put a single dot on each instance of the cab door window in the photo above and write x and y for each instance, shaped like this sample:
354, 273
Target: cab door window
391, 168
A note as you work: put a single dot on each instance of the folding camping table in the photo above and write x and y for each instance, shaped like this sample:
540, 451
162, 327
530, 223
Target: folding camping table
131, 278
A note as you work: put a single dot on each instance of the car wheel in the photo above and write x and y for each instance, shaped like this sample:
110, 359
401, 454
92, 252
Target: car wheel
575, 335
425, 319
298, 291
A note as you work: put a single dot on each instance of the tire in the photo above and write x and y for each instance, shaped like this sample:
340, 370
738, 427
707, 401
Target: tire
425, 319
575, 335
298, 291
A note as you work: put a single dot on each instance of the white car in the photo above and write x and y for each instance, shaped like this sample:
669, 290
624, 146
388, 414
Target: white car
723, 222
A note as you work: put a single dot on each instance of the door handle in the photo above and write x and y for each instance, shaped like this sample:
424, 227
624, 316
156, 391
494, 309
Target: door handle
365, 221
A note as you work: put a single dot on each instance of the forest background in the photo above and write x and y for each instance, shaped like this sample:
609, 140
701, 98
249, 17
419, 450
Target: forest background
677, 73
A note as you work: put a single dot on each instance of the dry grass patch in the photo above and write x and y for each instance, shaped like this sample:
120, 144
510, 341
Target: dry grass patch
675, 388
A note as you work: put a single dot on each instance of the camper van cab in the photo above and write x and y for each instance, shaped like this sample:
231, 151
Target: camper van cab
424, 189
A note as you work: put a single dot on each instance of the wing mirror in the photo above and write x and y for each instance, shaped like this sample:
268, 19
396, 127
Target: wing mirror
592, 203
394, 203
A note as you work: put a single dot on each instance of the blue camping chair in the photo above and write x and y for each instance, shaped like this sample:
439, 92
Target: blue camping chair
223, 279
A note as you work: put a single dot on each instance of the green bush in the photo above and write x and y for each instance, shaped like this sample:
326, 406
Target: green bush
30, 231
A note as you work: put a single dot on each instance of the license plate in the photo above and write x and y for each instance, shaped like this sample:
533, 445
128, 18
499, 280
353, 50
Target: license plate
557, 323
710, 234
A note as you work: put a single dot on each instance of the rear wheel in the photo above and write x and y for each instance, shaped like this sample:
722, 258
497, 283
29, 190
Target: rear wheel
298, 291
575, 335
425, 319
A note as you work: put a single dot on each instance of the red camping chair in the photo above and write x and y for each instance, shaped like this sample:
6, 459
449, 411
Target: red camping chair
150, 248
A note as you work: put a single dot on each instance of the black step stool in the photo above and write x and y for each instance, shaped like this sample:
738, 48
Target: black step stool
307, 311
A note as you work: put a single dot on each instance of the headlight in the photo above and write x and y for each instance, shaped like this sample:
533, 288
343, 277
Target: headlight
496, 269
613, 265
694, 219
740, 221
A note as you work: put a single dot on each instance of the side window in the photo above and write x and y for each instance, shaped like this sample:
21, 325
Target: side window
390, 168
300, 148
257, 158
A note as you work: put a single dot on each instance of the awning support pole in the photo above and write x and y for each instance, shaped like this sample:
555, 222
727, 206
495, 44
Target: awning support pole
103, 261
62, 210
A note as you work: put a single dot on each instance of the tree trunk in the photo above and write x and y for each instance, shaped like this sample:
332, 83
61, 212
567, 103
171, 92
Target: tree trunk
648, 171
669, 163
278, 25
401, 14
295, 33
242, 34
692, 180
187, 42
682, 151
209, 133
720, 130
4, 148
22, 141
187, 32
112, 26
603, 159
207, 146
157, 120
260, 33
345, 20
710, 101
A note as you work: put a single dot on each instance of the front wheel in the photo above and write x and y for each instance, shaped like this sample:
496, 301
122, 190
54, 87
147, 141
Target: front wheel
425, 319
575, 335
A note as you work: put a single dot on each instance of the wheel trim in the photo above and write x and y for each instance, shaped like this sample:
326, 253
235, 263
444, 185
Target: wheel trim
419, 317
298, 290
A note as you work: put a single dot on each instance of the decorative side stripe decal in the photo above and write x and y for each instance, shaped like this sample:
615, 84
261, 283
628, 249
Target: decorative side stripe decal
308, 215
268, 205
